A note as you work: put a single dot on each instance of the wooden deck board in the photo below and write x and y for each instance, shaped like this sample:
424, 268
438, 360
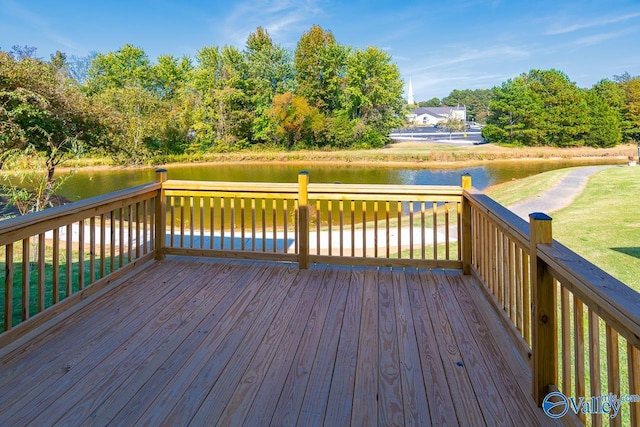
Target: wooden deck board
191, 341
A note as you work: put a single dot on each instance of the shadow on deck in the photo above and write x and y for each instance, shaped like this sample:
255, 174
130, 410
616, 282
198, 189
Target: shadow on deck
207, 341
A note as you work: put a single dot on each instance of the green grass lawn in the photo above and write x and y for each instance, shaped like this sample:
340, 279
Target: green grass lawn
602, 224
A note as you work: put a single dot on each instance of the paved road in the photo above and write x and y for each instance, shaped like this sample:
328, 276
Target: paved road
560, 196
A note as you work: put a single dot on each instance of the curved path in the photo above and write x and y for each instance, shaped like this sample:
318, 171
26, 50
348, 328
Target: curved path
559, 196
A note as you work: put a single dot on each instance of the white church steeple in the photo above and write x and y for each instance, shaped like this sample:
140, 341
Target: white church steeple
410, 100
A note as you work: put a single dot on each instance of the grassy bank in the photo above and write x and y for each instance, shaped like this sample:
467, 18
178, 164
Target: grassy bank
602, 224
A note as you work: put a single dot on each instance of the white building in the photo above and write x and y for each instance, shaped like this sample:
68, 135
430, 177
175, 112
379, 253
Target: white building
430, 116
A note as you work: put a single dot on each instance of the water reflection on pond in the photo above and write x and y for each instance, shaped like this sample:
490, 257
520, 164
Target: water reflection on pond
88, 183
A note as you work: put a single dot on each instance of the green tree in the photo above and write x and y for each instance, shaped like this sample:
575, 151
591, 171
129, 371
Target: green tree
538, 108
270, 72
44, 110
433, 102
604, 124
320, 69
631, 110
565, 113
374, 93
128, 66
514, 115
476, 102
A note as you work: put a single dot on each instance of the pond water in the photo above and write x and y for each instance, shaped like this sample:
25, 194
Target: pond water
89, 183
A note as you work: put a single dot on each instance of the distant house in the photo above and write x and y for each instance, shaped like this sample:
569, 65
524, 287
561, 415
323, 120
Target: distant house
430, 116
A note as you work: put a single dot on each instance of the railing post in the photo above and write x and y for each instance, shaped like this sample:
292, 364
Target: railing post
466, 238
303, 219
544, 332
161, 215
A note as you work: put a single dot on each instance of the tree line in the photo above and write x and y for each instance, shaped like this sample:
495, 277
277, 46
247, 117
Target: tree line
544, 108
323, 94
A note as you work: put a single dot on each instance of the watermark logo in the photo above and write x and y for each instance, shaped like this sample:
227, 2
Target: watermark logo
556, 404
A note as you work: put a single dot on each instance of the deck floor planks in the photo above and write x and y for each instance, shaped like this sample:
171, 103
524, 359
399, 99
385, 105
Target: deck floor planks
260, 359
66, 330
260, 343
463, 395
64, 361
145, 342
390, 405
441, 408
158, 389
486, 391
364, 411
343, 379
316, 395
414, 395
266, 397
129, 393
292, 394
197, 380
493, 354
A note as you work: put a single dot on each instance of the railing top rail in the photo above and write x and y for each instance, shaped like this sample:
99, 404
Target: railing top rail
613, 301
515, 226
386, 189
240, 187
15, 229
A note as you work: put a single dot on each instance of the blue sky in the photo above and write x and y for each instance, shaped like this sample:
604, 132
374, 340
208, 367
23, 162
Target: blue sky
440, 45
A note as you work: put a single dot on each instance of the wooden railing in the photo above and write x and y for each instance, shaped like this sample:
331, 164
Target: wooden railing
54, 258
333, 223
569, 317
579, 325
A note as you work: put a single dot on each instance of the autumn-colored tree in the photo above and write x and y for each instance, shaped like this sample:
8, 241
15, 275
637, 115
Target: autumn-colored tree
294, 119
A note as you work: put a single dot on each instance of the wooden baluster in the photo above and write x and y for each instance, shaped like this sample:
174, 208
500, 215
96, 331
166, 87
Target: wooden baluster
399, 216
578, 350
26, 279
341, 207
434, 210
364, 228
411, 230
8, 286
253, 224
69, 260
375, 229
565, 326
81, 254
613, 368
633, 363
353, 228
222, 211
41, 273
212, 223
55, 279
242, 224
202, 222
594, 361
92, 249
423, 230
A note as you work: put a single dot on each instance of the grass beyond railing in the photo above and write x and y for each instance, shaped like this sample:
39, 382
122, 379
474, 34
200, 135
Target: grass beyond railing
579, 325
56, 257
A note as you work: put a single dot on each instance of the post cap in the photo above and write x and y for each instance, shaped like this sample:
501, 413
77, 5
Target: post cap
539, 216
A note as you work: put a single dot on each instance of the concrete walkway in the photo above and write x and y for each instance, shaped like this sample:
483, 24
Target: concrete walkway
560, 196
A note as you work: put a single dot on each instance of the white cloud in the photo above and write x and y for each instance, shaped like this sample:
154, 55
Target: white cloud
280, 18
563, 28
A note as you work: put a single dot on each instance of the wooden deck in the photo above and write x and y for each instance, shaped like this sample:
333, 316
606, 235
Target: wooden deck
191, 341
